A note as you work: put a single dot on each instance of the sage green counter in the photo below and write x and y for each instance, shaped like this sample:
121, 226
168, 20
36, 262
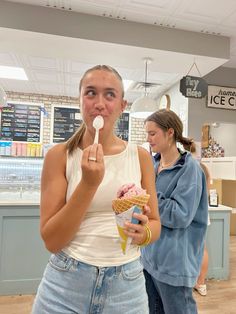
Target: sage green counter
218, 239
23, 256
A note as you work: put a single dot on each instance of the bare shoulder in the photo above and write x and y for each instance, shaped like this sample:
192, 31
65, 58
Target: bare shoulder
144, 155
57, 149
56, 156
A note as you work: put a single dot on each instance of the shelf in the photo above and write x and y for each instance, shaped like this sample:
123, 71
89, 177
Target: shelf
23, 157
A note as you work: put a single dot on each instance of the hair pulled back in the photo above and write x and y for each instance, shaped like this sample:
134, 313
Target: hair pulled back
167, 119
74, 141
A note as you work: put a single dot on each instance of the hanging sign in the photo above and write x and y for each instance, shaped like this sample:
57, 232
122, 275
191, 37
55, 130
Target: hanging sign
221, 97
193, 87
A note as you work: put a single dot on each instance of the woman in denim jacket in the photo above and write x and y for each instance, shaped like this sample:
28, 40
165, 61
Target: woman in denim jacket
172, 263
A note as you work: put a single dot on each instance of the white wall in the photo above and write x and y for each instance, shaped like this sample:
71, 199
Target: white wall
179, 104
200, 114
225, 135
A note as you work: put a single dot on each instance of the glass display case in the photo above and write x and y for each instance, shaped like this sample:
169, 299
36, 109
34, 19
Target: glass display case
20, 178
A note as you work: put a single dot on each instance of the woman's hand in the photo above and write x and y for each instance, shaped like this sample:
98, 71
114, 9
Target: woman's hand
138, 232
92, 165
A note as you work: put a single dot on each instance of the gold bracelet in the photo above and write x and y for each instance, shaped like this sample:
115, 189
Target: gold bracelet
148, 236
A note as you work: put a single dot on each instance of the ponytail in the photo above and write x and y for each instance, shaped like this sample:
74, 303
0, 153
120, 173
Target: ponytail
188, 144
74, 141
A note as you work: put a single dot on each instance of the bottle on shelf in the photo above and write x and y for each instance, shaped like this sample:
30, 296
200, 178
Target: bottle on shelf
33, 150
28, 150
18, 149
13, 149
213, 198
2, 148
8, 149
38, 150
24, 149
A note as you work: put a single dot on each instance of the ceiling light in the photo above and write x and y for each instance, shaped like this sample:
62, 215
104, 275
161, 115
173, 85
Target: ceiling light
144, 106
127, 84
14, 73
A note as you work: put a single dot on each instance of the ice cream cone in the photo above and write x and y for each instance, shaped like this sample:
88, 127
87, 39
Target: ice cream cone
124, 209
120, 205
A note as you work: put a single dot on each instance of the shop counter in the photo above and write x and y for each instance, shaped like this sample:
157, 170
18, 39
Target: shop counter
23, 256
218, 239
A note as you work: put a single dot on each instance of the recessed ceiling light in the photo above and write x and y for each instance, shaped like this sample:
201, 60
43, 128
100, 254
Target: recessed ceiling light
14, 73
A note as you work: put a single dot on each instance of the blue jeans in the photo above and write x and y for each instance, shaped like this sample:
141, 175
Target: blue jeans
69, 286
166, 299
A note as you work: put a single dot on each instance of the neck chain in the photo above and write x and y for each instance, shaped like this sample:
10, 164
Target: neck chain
169, 164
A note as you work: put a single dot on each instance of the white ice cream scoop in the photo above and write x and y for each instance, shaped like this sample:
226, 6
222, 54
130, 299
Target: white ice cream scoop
98, 124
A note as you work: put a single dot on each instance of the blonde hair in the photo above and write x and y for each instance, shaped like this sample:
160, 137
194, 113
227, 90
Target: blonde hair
74, 141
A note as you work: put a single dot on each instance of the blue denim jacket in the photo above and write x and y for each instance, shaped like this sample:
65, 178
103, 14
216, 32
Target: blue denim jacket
176, 257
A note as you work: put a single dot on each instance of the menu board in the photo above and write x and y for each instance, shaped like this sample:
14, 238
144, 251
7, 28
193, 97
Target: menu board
122, 126
20, 122
66, 121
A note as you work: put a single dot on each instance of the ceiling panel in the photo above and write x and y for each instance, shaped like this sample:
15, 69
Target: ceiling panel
42, 63
55, 65
207, 11
46, 76
7, 59
72, 80
75, 67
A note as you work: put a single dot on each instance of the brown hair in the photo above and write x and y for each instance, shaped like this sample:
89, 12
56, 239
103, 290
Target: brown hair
74, 141
191, 146
167, 119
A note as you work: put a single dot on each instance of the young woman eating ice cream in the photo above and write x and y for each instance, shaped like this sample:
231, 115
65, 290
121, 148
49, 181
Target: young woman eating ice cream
87, 272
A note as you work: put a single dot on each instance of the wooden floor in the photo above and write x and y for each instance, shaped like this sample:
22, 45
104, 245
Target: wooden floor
221, 297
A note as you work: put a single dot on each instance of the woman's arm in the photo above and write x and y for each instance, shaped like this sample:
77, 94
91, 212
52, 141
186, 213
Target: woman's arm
138, 232
182, 195
148, 183
60, 220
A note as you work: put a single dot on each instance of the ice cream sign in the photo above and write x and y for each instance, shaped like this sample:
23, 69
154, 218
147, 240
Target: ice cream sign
193, 87
221, 97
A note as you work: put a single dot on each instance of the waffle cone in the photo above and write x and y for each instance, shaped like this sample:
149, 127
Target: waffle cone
121, 205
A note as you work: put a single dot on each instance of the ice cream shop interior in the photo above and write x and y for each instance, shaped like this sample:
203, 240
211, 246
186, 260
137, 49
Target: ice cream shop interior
175, 55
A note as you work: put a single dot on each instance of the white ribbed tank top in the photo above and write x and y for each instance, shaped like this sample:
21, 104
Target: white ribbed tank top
97, 240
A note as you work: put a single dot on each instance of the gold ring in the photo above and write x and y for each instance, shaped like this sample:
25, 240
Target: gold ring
92, 159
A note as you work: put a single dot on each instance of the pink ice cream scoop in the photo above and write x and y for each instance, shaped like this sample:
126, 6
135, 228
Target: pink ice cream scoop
129, 190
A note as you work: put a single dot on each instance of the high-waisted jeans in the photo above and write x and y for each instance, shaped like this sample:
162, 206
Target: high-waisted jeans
69, 286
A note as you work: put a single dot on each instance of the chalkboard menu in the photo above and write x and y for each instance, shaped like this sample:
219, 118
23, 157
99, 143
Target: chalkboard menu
20, 122
122, 127
65, 122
